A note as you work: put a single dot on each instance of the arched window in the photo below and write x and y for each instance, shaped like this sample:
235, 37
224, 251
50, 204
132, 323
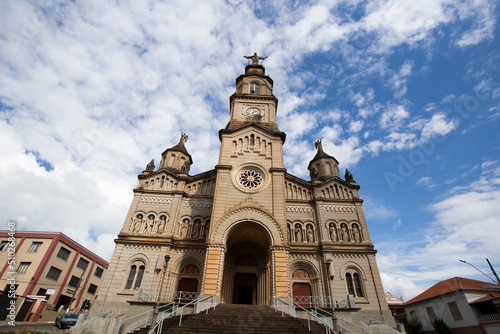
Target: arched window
354, 285
131, 277
135, 276
138, 279
254, 88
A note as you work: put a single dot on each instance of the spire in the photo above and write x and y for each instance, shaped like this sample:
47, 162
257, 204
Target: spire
348, 177
150, 167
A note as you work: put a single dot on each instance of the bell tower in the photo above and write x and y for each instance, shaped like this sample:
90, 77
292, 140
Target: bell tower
253, 100
248, 215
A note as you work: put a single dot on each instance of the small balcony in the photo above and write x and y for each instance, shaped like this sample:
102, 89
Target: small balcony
489, 318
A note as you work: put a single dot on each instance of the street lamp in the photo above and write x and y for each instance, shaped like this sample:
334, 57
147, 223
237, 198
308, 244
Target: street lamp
481, 271
157, 306
329, 276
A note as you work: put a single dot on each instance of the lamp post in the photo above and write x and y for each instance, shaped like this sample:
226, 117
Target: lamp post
334, 318
481, 271
157, 306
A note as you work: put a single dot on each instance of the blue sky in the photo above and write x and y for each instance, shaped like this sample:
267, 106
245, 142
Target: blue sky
405, 94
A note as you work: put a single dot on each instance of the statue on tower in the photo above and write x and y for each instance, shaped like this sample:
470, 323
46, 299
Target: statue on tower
255, 58
318, 145
184, 137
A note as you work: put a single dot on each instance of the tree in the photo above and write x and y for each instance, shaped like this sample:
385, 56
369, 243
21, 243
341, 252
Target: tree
414, 326
441, 327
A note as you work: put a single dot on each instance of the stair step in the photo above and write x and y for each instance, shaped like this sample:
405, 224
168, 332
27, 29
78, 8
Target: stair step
232, 318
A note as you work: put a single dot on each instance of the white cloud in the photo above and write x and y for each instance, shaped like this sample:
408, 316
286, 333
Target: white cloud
483, 26
397, 225
400, 141
332, 133
399, 286
425, 181
399, 79
393, 116
438, 126
347, 151
376, 209
356, 126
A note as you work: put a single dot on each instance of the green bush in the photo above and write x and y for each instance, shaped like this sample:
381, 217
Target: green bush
441, 327
414, 326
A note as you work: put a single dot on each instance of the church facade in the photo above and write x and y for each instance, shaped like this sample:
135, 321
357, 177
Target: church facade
247, 231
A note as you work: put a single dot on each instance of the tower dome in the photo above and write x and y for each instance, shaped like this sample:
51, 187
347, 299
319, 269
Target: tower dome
323, 166
177, 159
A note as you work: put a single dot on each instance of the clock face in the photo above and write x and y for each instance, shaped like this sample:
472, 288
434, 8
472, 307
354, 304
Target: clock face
252, 112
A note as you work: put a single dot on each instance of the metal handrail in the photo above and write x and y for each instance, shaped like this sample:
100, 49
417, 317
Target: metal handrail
309, 315
148, 316
157, 328
342, 319
278, 299
168, 296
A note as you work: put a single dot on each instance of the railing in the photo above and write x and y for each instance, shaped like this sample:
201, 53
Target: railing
157, 329
489, 317
148, 315
279, 305
169, 296
312, 301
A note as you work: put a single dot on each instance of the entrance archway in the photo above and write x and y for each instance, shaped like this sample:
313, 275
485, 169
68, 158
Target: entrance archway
246, 265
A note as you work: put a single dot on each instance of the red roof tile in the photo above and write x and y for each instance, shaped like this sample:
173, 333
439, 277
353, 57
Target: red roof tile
453, 284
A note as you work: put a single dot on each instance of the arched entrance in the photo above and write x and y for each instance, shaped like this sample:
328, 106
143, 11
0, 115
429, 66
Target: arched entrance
187, 287
301, 288
246, 265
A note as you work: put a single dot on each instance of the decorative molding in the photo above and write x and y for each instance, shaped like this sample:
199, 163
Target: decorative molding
155, 200
217, 246
201, 205
261, 221
304, 256
279, 248
338, 208
345, 255
141, 247
299, 209
187, 251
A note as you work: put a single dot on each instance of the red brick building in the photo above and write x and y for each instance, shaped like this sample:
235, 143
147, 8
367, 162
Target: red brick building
46, 269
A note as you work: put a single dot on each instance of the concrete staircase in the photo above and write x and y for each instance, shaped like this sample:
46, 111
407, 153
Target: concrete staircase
232, 318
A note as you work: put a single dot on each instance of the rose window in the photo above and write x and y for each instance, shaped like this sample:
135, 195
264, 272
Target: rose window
250, 179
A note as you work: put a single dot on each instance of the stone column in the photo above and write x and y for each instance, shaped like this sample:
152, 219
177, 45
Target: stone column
214, 266
281, 287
